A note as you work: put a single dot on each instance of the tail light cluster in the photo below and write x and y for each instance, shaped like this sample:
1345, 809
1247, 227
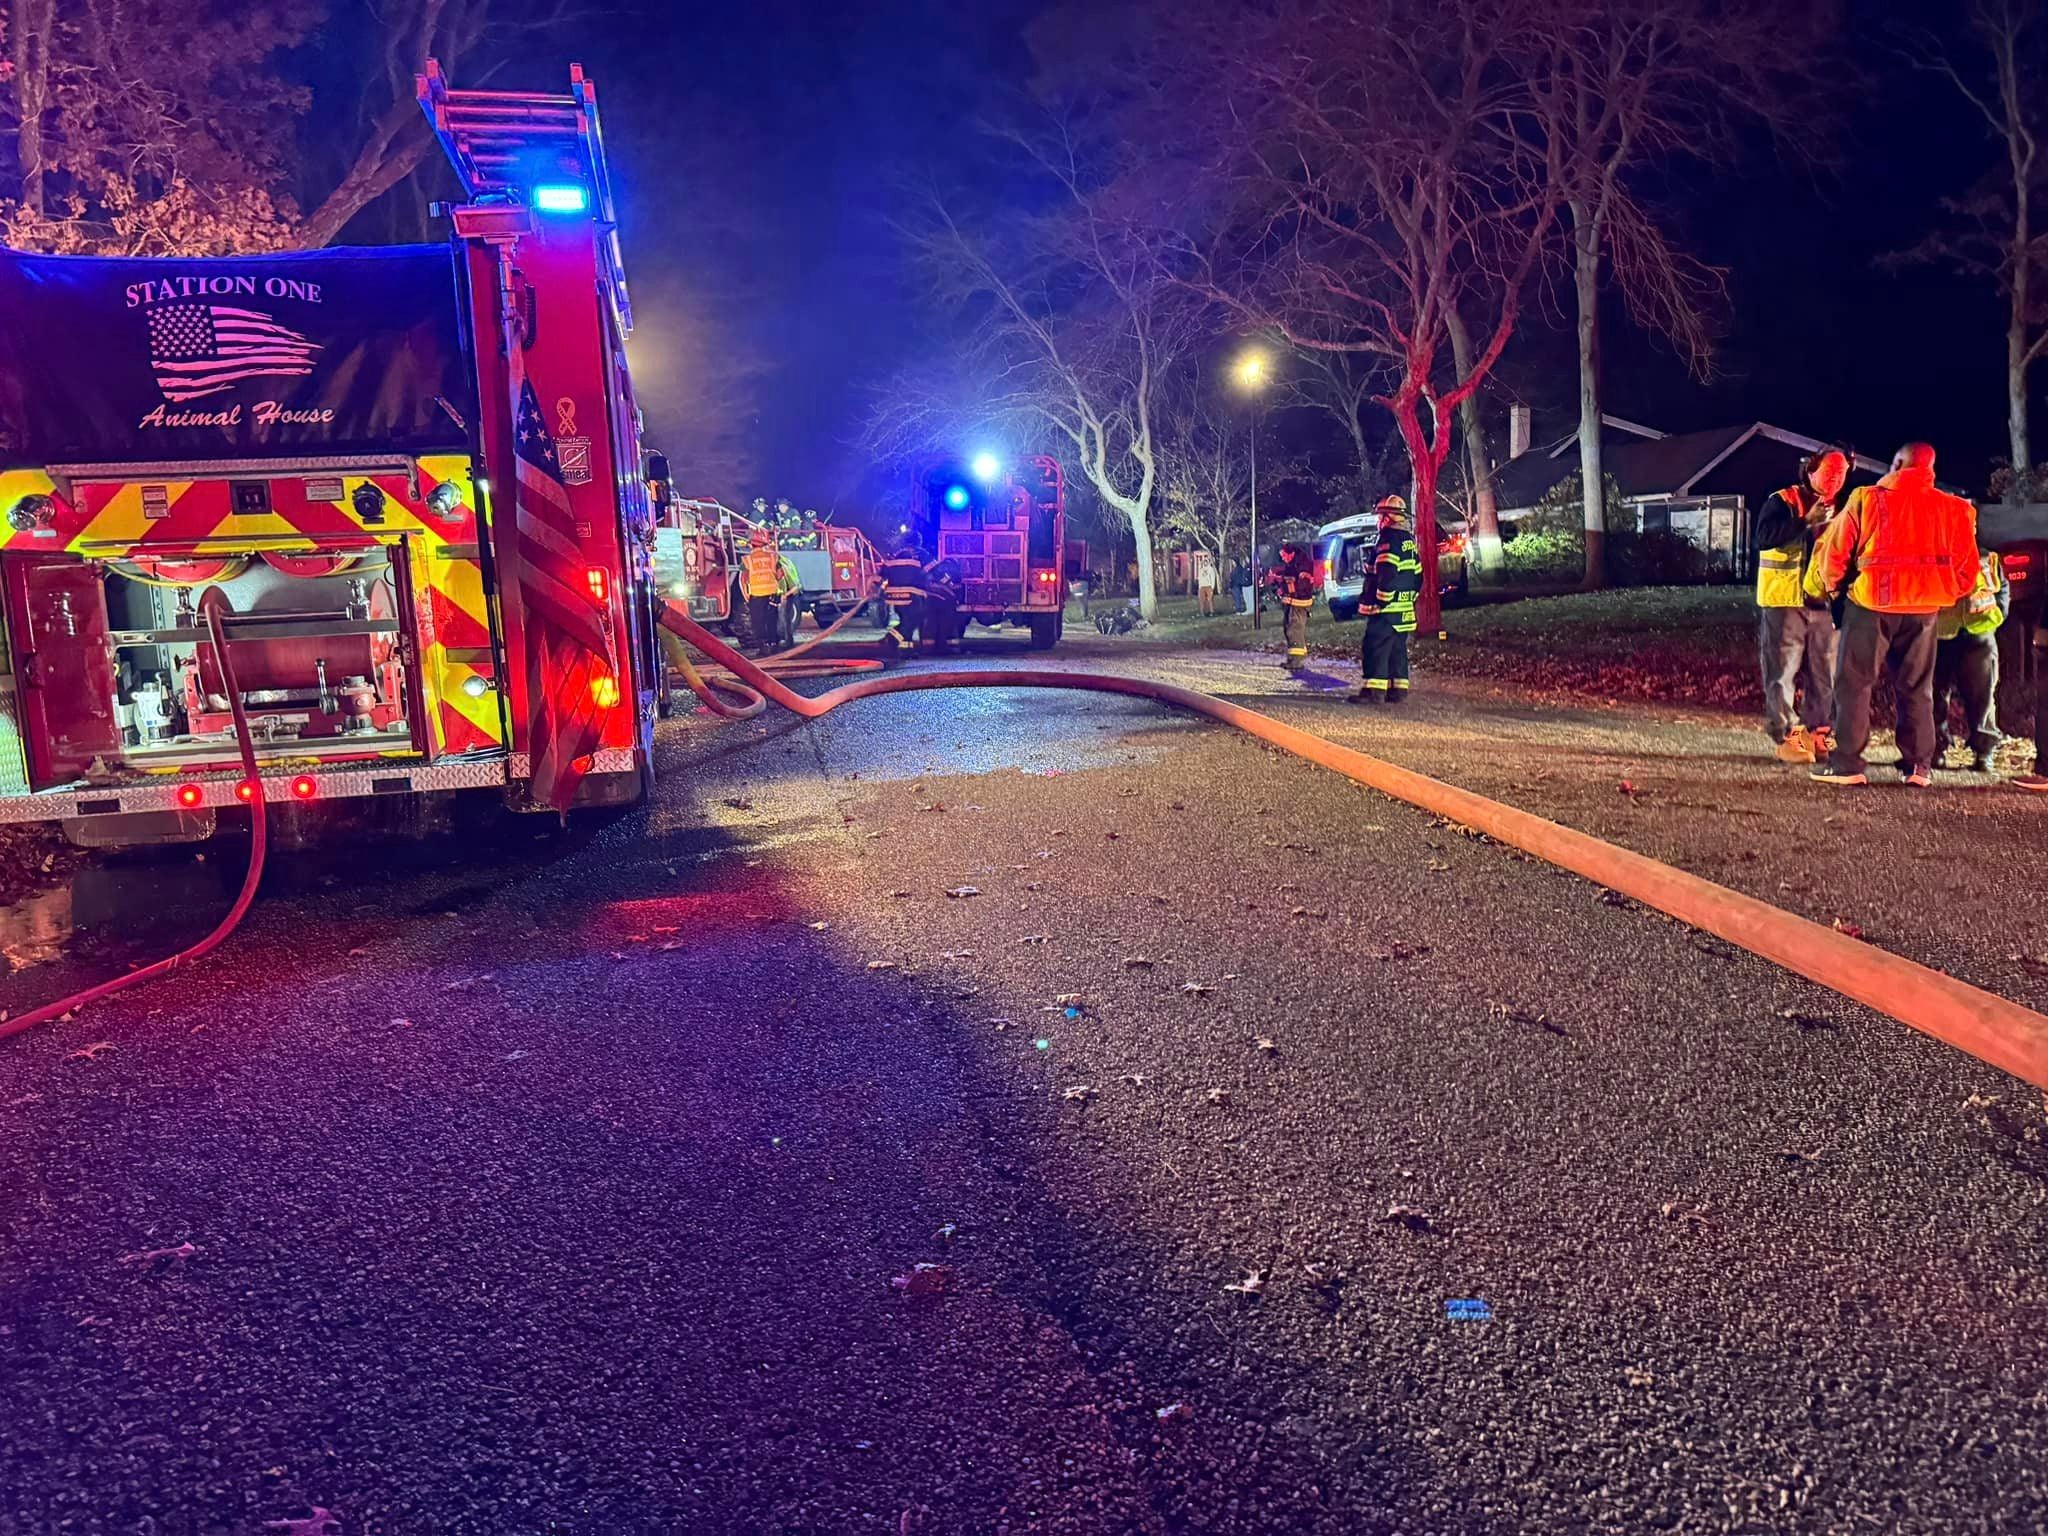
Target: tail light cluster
1454, 544
1322, 572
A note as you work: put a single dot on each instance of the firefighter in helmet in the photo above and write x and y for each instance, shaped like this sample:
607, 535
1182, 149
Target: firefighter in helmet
942, 591
1293, 581
767, 585
903, 591
1388, 603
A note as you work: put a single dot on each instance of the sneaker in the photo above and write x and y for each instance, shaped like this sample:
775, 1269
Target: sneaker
1797, 748
2037, 782
1917, 776
1826, 774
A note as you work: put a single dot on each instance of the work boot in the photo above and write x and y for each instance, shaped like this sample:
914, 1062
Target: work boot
1798, 748
1368, 695
1397, 695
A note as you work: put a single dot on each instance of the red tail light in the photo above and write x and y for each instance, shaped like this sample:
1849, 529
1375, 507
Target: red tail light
1322, 571
600, 588
246, 791
1455, 544
189, 795
303, 787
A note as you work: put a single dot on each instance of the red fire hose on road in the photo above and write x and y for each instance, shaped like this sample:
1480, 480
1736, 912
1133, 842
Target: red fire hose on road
1989, 1027
258, 827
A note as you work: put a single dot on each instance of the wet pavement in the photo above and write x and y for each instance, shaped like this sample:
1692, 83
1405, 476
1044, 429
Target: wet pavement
1288, 1161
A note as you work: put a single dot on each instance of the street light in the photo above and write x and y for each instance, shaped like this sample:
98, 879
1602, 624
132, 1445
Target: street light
1251, 371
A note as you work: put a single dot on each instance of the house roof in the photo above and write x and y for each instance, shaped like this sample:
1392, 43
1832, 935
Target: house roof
1658, 467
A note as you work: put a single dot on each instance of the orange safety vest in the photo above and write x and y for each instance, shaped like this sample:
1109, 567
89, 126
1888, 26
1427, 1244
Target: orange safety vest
764, 571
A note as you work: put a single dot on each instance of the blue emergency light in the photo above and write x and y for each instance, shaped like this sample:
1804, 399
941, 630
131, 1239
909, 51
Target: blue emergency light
561, 197
957, 498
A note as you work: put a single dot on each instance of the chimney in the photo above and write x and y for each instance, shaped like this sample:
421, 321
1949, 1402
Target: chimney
1518, 431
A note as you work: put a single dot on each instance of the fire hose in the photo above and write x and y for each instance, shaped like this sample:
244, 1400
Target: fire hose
1991, 1028
258, 827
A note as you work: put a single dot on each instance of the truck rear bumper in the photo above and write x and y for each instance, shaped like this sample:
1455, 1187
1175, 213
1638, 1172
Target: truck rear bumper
184, 793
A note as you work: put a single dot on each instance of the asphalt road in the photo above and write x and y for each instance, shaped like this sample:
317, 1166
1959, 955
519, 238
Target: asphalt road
1291, 1162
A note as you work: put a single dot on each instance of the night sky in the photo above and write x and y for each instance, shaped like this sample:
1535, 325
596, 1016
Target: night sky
762, 148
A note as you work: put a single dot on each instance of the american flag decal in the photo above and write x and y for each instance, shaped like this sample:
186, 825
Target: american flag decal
572, 676
201, 349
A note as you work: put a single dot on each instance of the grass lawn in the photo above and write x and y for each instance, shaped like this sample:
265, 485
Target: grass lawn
1694, 645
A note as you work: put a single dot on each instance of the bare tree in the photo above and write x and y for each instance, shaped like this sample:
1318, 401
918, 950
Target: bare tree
1077, 327
31, 33
1993, 238
1389, 186
1344, 386
1204, 483
1615, 84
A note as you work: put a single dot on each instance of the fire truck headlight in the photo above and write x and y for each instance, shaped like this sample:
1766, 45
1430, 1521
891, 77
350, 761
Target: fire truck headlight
476, 687
679, 589
368, 500
560, 197
986, 467
32, 511
445, 500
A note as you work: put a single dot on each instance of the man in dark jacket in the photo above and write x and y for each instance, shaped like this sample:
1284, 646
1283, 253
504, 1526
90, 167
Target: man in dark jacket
903, 591
1388, 602
1293, 581
1795, 631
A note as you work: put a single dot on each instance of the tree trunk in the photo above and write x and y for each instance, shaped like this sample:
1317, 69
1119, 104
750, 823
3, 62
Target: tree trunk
1424, 463
2016, 348
1592, 471
1487, 561
32, 22
1148, 586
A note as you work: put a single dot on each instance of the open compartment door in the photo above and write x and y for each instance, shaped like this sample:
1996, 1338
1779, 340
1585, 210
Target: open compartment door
63, 665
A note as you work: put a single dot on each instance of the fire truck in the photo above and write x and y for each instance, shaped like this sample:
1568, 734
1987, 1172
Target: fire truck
1004, 528
700, 554
406, 479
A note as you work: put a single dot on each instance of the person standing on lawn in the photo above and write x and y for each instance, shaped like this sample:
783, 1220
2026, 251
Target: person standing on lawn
1394, 582
1294, 582
1966, 663
1205, 582
1902, 550
1795, 631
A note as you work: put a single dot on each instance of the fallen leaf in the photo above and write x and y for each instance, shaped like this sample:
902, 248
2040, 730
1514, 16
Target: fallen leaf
1253, 1283
1413, 1217
1112, 837
1173, 1411
1638, 1378
1846, 928
1678, 1210
961, 892
933, 807
1219, 1096
672, 928
925, 1280
178, 1254
1627, 788
1517, 1015
1794, 1155
999, 1025
945, 1235
357, 954
321, 1523
91, 1052
818, 927
1196, 989
1809, 1022
1437, 867
1080, 1093
1138, 962
899, 894
1315, 912
1066, 1000
881, 965
1135, 1079
1266, 1045
736, 803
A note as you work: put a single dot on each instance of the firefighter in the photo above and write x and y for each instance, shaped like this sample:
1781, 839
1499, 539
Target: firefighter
903, 591
765, 582
1293, 581
1795, 631
1395, 581
1966, 662
941, 604
1900, 551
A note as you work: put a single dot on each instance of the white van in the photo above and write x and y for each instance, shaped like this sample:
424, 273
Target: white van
1344, 552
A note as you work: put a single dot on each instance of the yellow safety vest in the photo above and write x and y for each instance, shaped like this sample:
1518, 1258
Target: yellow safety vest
1778, 571
1978, 613
764, 572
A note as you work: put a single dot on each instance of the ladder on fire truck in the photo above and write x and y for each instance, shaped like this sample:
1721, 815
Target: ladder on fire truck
507, 146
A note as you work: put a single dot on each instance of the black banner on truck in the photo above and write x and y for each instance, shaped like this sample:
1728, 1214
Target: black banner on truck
107, 361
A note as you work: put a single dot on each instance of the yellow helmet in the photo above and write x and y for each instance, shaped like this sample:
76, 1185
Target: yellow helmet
1398, 505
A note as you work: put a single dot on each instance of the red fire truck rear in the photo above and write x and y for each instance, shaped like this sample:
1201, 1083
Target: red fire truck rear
411, 475
1004, 528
